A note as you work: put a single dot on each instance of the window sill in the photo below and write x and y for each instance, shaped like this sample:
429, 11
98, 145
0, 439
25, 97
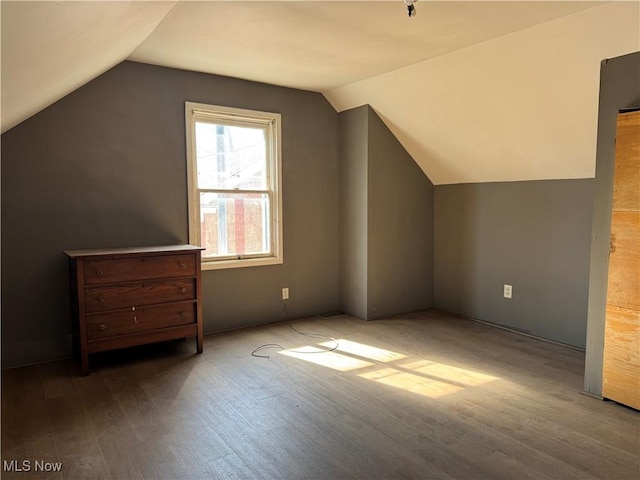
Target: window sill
248, 262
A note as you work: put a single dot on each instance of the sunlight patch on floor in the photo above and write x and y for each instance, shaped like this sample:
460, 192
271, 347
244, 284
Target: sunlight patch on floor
420, 376
448, 372
366, 351
324, 358
427, 387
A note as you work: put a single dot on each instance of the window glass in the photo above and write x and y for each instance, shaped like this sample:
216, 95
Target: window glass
231, 157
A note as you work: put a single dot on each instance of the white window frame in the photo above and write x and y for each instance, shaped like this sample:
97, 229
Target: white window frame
235, 116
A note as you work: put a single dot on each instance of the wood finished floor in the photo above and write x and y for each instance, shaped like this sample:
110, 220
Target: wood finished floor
424, 396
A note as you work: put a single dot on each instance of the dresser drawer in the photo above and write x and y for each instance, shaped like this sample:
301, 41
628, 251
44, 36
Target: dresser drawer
120, 295
109, 270
140, 319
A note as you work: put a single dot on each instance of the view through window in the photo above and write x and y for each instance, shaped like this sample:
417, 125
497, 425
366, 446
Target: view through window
234, 183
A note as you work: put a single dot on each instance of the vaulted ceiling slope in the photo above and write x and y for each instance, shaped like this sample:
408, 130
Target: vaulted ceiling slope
523, 106
476, 91
49, 49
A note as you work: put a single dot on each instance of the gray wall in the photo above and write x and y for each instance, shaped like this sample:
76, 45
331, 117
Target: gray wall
105, 167
619, 89
353, 155
534, 236
400, 227
386, 211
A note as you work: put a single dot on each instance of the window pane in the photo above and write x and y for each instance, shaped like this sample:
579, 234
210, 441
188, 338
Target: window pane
235, 224
231, 157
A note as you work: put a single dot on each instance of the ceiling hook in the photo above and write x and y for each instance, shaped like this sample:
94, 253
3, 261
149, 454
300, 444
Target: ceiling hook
411, 10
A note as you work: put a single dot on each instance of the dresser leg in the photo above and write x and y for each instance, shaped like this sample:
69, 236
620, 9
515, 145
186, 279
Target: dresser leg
199, 343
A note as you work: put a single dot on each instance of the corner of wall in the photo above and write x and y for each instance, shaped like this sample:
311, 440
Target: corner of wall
386, 221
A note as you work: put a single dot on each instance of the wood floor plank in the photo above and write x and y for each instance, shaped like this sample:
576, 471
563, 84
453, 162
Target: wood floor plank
75, 442
104, 412
229, 467
363, 446
425, 395
547, 437
126, 456
29, 428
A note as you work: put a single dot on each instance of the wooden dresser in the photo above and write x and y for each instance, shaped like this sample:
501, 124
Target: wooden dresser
132, 296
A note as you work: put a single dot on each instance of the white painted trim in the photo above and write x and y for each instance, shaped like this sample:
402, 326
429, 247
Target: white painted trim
245, 262
192, 172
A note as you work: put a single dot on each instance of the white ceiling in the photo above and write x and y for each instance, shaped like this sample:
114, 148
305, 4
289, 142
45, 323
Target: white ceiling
323, 45
353, 52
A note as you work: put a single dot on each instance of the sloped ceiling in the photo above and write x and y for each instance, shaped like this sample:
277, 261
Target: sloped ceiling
523, 106
51, 48
466, 86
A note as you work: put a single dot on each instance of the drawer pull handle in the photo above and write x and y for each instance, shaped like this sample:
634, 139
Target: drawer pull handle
183, 290
100, 299
102, 326
183, 265
184, 314
135, 320
99, 272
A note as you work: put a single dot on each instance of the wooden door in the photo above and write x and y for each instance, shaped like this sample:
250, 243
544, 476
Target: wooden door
621, 363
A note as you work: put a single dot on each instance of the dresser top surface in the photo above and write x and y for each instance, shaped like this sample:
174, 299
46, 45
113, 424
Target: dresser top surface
131, 251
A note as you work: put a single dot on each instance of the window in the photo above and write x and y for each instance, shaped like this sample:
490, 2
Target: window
235, 207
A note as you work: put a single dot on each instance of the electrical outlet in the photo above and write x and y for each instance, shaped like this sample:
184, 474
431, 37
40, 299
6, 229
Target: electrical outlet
508, 290
285, 293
